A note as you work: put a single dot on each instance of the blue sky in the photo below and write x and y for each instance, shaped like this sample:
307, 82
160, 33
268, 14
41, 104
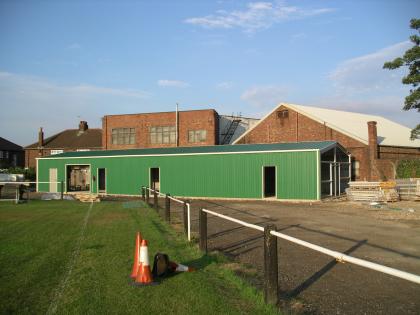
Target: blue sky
64, 61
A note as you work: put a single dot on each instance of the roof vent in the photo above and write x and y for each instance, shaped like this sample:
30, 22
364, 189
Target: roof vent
283, 114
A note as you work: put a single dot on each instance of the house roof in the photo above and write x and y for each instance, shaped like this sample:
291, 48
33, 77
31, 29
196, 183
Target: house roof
6, 145
72, 139
354, 125
217, 149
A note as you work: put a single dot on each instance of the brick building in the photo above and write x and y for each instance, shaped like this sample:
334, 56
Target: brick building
11, 154
165, 129
376, 144
81, 139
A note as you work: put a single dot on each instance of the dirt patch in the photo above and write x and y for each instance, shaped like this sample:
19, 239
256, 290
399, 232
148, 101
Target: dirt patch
311, 282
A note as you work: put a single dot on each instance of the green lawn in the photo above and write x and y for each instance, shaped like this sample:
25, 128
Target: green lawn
60, 257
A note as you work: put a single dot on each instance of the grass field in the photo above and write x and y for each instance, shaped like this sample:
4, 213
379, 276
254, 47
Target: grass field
67, 257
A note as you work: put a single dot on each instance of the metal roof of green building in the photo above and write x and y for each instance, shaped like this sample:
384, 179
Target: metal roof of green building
300, 146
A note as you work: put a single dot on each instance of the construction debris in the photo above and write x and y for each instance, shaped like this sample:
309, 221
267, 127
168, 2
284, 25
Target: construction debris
87, 197
372, 191
409, 188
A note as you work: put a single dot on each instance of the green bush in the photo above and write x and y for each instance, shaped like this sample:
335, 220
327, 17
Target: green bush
408, 169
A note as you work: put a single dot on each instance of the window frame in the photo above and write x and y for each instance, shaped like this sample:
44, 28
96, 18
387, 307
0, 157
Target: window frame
162, 134
197, 135
123, 136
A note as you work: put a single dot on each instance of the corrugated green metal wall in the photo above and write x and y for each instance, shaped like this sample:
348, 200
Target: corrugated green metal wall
217, 175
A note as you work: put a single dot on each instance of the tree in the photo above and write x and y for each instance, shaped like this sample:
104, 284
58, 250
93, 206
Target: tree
411, 59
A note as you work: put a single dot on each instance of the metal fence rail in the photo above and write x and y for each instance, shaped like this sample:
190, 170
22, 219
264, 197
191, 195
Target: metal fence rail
19, 187
340, 257
270, 248
187, 206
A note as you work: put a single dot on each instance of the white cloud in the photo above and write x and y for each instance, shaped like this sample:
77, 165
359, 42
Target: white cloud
297, 36
226, 85
265, 96
74, 46
256, 15
365, 73
173, 83
29, 102
362, 85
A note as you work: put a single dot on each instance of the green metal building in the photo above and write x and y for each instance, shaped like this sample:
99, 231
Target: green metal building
284, 171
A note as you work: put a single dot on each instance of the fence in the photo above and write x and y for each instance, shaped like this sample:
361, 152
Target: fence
186, 207
270, 245
271, 257
17, 191
408, 188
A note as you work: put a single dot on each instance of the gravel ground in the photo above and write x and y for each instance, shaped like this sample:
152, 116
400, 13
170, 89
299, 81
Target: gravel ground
313, 283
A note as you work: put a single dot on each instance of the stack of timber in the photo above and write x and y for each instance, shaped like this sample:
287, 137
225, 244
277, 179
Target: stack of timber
409, 188
372, 191
87, 197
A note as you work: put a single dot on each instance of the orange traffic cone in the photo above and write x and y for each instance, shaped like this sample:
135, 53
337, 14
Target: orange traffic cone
180, 268
144, 274
136, 257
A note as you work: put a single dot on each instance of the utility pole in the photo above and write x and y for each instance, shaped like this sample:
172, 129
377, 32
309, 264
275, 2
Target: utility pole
176, 126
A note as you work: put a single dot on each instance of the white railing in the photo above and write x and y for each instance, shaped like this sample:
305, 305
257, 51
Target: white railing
17, 185
181, 202
340, 257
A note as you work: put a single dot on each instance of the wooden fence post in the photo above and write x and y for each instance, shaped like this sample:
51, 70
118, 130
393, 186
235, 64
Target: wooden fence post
147, 195
167, 208
143, 196
203, 230
270, 266
155, 200
62, 189
185, 217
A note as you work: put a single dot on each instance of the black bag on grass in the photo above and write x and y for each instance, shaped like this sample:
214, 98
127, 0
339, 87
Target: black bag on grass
161, 265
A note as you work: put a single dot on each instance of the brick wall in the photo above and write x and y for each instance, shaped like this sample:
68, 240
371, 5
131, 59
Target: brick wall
398, 153
188, 120
297, 127
375, 162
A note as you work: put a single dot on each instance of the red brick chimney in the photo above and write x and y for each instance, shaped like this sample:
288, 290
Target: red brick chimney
40, 138
83, 126
372, 140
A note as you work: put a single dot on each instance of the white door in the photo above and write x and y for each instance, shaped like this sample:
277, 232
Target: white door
53, 178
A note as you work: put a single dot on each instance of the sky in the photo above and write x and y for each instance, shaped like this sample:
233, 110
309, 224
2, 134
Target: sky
66, 61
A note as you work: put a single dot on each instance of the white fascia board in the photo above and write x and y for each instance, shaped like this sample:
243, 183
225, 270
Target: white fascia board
178, 154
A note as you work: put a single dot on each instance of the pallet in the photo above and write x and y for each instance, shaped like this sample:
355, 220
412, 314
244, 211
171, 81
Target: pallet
372, 191
87, 197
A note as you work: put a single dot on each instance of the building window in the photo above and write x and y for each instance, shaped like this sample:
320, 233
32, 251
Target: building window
124, 136
162, 134
197, 136
56, 152
1, 154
